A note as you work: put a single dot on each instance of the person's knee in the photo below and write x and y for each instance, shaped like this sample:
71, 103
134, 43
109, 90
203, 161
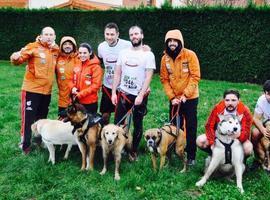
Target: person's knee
201, 141
248, 148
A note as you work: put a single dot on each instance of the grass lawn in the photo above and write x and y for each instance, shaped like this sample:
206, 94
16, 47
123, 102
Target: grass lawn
31, 177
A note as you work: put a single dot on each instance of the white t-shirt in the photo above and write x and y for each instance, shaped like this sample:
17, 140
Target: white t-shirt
133, 66
109, 56
263, 107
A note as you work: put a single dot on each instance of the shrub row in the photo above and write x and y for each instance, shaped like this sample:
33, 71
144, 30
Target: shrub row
231, 43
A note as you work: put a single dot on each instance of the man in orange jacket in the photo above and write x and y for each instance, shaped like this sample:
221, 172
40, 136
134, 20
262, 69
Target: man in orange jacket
180, 75
66, 62
41, 58
229, 105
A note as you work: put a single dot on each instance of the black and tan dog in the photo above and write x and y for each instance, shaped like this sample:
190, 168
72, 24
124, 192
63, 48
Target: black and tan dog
88, 128
160, 140
263, 148
114, 139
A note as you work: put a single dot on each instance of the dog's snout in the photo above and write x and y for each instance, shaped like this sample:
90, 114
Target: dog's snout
235, 129
150, 142
110, 141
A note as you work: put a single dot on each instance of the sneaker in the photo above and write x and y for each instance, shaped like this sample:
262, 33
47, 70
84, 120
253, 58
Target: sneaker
133, 156
191, 162
20, 145
255, 165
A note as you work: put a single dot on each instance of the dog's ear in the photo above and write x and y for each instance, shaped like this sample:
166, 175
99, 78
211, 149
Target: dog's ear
221, 117
159, 133
240, 117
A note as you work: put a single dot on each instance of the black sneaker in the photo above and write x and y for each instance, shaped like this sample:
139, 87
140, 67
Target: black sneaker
255, 165
191, 162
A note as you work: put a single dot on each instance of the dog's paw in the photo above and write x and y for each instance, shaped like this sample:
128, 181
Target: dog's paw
241, 190
103, 171
200, 183
117, 177
183, 170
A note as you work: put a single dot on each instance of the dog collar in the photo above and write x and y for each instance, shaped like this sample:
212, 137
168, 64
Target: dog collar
228, 151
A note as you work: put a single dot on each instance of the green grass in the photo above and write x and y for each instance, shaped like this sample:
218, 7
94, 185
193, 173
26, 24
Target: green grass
31, 177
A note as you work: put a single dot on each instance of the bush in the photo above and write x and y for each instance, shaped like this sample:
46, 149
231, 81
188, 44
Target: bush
231, 43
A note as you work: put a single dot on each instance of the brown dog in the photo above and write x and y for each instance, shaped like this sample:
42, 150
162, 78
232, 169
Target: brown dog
87, 128
159, 140
114, 139
263, 149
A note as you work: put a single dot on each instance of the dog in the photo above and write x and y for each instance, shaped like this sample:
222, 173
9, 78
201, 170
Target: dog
160, 140
54, 132
87, 128
263, 148
113, 139
227, 153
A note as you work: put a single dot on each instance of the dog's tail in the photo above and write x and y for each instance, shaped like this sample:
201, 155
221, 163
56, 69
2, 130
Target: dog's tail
34, 129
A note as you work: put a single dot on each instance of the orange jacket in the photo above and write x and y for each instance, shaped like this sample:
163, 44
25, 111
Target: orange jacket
213, 119
64, 73
88, 79
40, 68
180, 76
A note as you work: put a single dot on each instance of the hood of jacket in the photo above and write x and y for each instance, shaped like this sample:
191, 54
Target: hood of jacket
175, 34
70, 39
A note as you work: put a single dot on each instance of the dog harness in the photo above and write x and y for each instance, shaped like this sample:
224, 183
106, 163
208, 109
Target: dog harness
228, 151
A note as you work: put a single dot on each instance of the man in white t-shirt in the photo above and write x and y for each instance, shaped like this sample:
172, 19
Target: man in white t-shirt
261, 114
132, 76
108, 52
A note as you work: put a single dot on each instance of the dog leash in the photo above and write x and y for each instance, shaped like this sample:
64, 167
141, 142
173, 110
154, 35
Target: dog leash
177, 116
129, 112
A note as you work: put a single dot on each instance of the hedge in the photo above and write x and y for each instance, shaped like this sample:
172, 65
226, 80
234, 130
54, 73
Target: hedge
231, 43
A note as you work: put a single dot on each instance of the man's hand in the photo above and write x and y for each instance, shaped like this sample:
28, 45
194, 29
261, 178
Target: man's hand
74, 90
114, 98
138, 100
183, 99
175, 101
265, 132
15, 56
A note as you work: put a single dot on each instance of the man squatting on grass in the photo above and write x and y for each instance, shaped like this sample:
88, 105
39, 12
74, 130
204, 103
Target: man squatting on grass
230, 104
41, 58
180, 75
261, 114
132, 76
108, 52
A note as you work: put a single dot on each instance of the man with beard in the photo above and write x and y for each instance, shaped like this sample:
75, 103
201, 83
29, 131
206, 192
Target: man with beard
66, 62
108, 52
180, 75
261, 115
41, 58
132, 76
229, 105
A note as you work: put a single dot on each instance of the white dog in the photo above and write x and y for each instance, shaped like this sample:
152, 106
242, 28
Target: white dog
114, 139
228, 153
54, 132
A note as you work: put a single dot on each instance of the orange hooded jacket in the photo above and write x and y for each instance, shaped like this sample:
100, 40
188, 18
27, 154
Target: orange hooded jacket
180, 76
64, 72
88, 79
40, 69
213, 119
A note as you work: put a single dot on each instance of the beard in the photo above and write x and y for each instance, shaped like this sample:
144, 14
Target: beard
136, 44
230, 108
67, 50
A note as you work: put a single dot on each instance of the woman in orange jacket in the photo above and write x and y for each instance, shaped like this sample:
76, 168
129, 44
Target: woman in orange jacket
87, 79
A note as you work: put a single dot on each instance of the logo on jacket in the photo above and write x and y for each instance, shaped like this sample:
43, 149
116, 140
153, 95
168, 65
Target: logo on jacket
28, 105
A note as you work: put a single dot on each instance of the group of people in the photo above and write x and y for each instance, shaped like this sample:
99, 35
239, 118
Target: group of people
128, 70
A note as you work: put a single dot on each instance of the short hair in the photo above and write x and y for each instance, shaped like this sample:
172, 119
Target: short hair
46, 28
136, 26
112, 25
266, 86
230, 91
89, 48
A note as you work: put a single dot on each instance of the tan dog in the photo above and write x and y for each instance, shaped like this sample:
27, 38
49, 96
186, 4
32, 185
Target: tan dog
263, 149
114, 139
88, 130
160, 140
54, 132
